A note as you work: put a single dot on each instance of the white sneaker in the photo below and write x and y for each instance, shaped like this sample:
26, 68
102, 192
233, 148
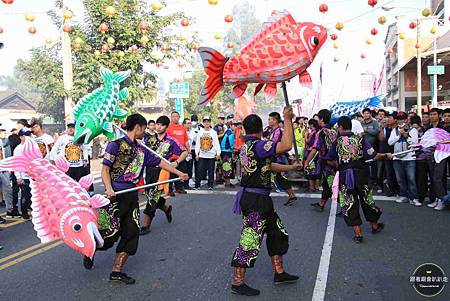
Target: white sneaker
416, 203
440, 205
401, 200
432, 205
379, 190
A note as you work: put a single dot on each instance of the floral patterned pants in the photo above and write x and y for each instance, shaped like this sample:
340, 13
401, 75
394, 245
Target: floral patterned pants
259, 218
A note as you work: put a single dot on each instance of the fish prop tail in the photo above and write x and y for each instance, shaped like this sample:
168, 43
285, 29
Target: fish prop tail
375, 102
108, 75
214, 63
21, 163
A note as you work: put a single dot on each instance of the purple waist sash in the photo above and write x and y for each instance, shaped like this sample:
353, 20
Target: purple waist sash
237, 201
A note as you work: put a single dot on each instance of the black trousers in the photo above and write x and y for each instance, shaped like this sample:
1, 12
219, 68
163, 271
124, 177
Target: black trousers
259, 218
327, 183
422, 181
183, 168
25, 202
120, 220
282, 181
15, 191
371, 212
386, 171
192, 166
76, 173
205, 166
438, 177
155, 200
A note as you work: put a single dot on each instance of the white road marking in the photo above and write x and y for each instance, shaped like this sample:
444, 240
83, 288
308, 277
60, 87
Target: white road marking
322, 273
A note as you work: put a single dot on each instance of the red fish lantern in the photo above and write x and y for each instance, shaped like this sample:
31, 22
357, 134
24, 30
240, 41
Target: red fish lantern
8, 2
32, 29
323, 8
334, 37
230, 45
277, 53
184, 22
374, 31
372, 2
103, 28
228, 18
412, 25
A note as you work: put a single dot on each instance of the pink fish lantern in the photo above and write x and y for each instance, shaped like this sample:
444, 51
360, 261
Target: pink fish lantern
62, 208
281, 50
244, 106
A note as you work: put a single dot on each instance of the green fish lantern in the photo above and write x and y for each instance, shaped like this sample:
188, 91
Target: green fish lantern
94, 113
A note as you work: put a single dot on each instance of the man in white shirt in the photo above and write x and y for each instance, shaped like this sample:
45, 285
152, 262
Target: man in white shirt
5, 188
193, 132
207, 150
44, 141
23, 180
357, 128
76, 155
405, 165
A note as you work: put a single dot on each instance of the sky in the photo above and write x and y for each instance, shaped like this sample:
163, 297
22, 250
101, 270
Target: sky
339, 80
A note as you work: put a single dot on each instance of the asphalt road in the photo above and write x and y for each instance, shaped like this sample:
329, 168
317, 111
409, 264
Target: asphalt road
190, 258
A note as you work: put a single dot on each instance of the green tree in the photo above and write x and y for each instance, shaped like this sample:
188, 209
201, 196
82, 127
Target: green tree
87, 57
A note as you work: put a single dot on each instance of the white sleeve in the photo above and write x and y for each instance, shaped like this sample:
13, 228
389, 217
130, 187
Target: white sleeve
393, 138
413, 137
216, 143
197, 143
54, 153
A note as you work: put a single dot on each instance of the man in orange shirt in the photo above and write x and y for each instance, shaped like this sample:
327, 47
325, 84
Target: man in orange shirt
177, 131
238, 143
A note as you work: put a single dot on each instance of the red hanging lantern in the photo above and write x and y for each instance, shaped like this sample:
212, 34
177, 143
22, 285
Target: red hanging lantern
195, 46
32, 30
67, 28
274, 12
105, 48
334, 37
228, 18
372, 2
77, 46
184, 22
374, 31
103, 28
134, 49
164, 48
417, 46
230, 45
412, 25
323, 8
1, 30
143, 25
8, 2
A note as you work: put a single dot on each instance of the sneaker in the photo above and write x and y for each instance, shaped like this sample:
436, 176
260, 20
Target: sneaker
12, 214
1, 247
25, 216
196, 188
121, 277
171, 193
416, 203
318, 206
181, 191
432, 205
401, 200
358, 239
379, 190
210, 188
2, 220
290, 201
244, 290
284, 278
169, 214
144, 230
88, 263
378, 229
440, 206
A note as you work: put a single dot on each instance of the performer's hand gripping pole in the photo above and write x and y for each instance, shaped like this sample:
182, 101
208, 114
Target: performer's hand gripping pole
286, 99
144, 146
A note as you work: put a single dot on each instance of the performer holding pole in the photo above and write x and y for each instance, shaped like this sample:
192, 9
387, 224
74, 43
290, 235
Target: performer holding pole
123, 166
257, 207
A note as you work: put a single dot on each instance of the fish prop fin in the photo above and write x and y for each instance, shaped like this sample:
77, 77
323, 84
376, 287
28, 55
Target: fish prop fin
214, 63
99, 201
62, 164
81, 105
123, 94
120, 113
108, 75
238, 91
270, 91
442, 152
107, 127
21, 163
109, 135
433, 136
86, 181
305, 79
375, 102
258, 88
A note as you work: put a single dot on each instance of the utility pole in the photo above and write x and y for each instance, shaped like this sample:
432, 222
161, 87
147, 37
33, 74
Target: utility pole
67, 70
419, 72
435, 84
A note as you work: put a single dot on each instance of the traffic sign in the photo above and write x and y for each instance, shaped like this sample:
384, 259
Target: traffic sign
438, 70
179, 90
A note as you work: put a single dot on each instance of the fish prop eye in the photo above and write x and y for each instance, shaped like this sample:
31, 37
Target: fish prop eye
314, 42
82, 124
76, 227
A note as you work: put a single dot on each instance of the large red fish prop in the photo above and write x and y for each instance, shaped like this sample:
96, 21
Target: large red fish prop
281, 50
